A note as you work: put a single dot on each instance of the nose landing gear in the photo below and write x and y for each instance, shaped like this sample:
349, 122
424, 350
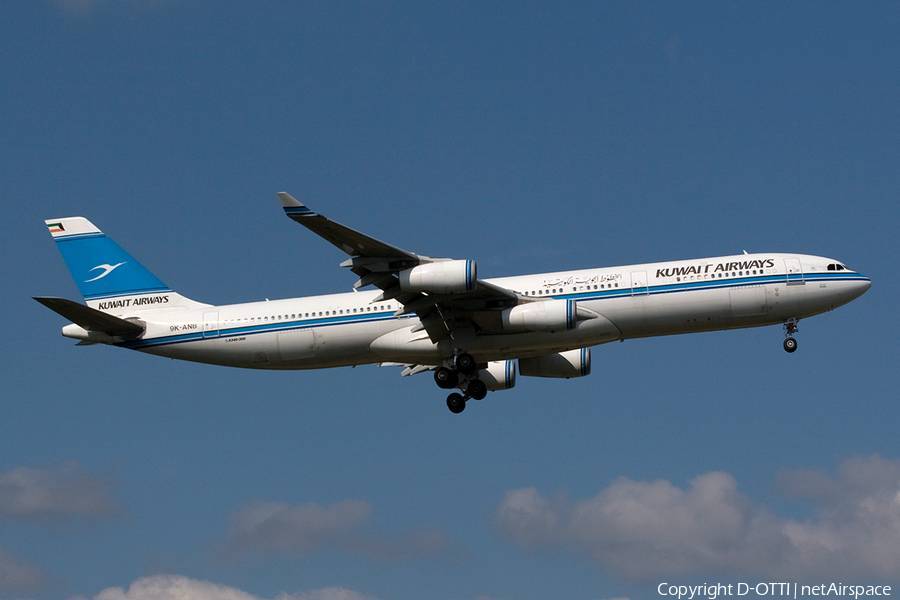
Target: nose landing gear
790, 328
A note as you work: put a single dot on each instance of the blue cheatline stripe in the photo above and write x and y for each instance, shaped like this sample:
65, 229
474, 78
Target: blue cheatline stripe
593, 295
256, 329
711, 285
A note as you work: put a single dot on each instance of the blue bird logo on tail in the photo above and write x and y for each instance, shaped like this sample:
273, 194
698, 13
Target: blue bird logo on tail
107, 269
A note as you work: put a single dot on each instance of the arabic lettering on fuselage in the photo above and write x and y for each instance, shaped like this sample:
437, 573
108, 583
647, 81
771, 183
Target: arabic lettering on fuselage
564, 281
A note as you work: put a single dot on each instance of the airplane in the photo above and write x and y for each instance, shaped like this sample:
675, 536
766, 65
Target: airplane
435, 314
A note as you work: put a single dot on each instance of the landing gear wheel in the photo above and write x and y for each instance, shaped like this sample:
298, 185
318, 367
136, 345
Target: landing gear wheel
790, 344
465, 363
476, 389
456, 403
445, 378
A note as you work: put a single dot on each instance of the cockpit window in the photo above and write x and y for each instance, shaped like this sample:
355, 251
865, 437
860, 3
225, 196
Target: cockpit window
837, 267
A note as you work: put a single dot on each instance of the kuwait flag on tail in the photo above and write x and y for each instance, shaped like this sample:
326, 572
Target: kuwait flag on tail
55, 227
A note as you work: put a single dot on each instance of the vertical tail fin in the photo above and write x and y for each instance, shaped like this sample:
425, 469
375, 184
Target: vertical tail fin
109, 278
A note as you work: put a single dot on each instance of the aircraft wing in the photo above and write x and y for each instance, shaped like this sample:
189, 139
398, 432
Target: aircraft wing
377, 263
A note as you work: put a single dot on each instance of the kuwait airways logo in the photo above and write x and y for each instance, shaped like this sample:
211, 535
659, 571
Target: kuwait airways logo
107, 269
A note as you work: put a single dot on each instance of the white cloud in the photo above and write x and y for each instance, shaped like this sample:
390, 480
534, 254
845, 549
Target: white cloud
176, 587
646, 530
270, 528
19, 577
52, 494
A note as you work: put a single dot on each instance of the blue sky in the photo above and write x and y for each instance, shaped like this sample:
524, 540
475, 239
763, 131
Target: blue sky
528, 137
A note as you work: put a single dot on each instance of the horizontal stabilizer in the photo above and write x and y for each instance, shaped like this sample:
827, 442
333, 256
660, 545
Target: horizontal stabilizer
91, 319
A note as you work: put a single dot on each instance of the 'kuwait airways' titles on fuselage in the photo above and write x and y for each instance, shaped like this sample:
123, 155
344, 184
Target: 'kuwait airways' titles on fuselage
699, 269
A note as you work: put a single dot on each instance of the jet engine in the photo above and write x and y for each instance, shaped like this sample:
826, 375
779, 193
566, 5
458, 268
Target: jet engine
500, 375
549, 315
441, 277
564, 365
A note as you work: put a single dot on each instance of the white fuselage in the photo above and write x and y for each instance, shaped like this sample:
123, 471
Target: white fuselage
631, 301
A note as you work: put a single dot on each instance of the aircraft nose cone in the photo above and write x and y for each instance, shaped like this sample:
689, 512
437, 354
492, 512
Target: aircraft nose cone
862, 287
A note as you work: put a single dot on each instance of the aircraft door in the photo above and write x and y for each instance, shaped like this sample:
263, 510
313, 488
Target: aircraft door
639, 283
794, 271
210, 324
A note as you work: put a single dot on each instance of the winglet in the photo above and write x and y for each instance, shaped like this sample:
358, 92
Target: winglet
293, 207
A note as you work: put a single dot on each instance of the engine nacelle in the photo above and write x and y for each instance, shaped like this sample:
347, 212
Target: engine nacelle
549, 315
565, 365
442, 277
500, 375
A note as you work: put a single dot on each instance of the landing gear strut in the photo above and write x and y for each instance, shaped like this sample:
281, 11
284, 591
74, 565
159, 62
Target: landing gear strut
790, 328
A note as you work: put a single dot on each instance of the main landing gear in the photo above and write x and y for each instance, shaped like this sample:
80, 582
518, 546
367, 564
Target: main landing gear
460, 376
790, 328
